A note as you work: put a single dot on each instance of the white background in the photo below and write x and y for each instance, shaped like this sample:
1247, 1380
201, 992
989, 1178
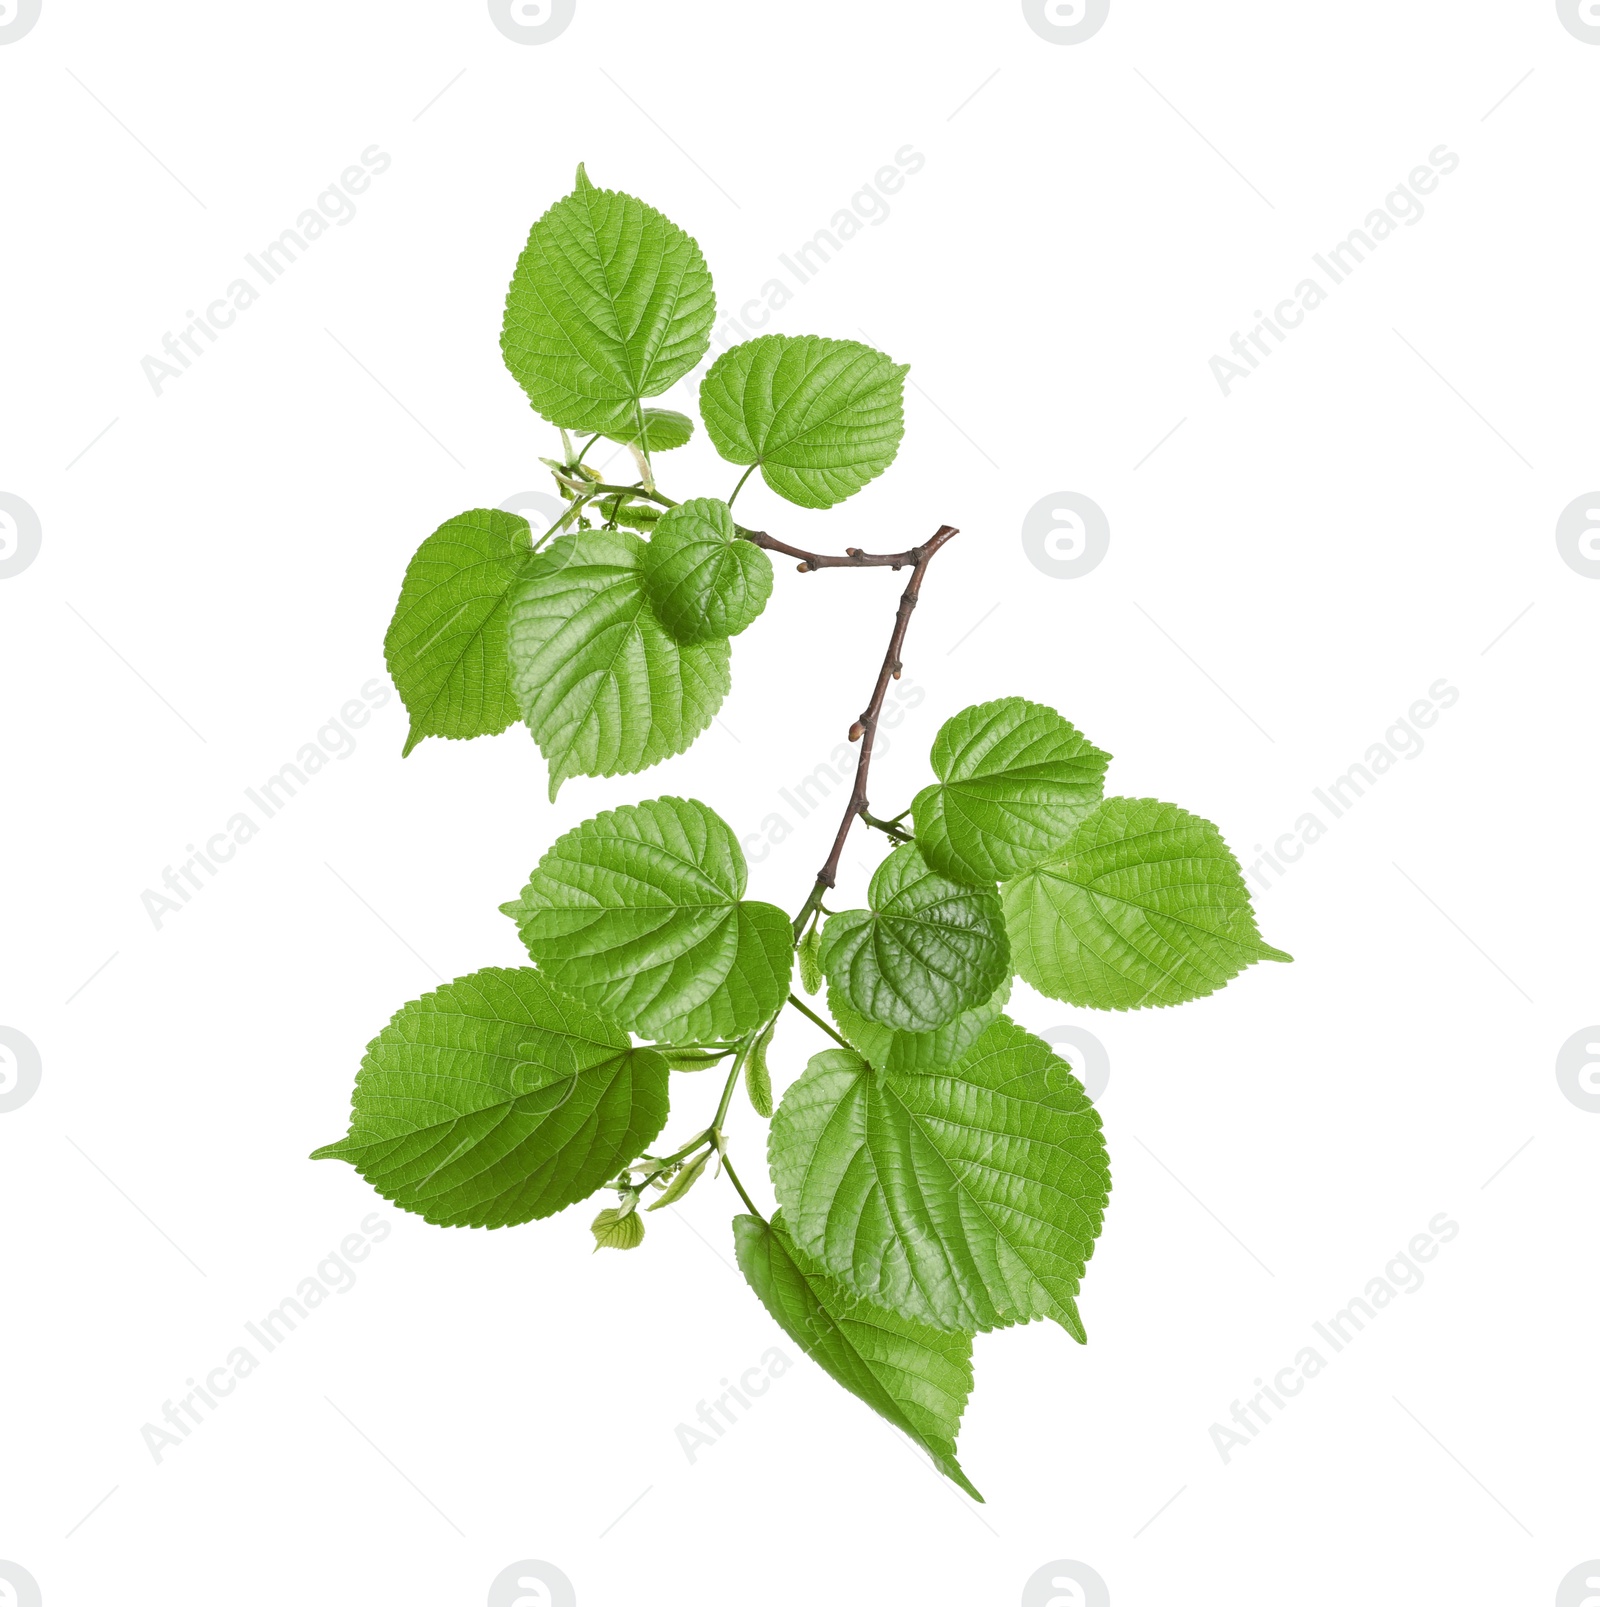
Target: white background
1370, 512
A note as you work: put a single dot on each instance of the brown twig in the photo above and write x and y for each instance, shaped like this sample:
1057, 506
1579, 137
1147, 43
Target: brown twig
866, 728
852, 558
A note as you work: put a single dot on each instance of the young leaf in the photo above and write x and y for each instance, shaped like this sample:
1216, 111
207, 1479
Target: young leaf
822, 417
497, 1099
702, 579
889, 1050
757, 1079
664, 429
640, 912
927, 949
692, 1059
446, 646
1014, 781
686, 1179
616, 1229
913, 1375
969, 1197
1144, 906
609, 303
809, 952
604, 687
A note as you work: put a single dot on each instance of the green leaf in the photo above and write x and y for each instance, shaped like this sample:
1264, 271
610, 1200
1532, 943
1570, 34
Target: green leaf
701, 577
692, 1059
609, 303
664, 429
757, 1079
810, 951
497, 1099
640, 913
1014, 781
1144, 906
938, 1050
822, 417
603, 686
969, 1198
686, 1179
913, 1375
446, 646
617, 1229
928, 949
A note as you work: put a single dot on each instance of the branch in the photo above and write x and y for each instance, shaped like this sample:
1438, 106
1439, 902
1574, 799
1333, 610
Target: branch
853, 558
866, 728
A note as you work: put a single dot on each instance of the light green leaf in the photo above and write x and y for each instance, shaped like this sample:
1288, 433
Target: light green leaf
603, 686
822, 417
757, 1079
497, 1099
1014, 781
664, 429
1144, 906
810, 962
913, 1375
617, 1229
686, 1179
938, 1050
928, 949
692, 1059
446, 646
609, 303
969, 1198
640, 912
702, 578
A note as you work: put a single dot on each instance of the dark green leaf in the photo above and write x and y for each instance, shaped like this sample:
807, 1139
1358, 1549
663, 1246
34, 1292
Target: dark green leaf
928, 948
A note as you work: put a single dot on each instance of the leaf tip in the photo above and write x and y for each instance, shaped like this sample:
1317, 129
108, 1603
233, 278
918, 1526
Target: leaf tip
581, 182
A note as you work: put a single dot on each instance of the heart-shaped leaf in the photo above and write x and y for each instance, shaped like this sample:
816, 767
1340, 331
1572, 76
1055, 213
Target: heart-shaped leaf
702, 578
928, 948
640, 912
1145, 906
1014, 781
497, 1099
822, 417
